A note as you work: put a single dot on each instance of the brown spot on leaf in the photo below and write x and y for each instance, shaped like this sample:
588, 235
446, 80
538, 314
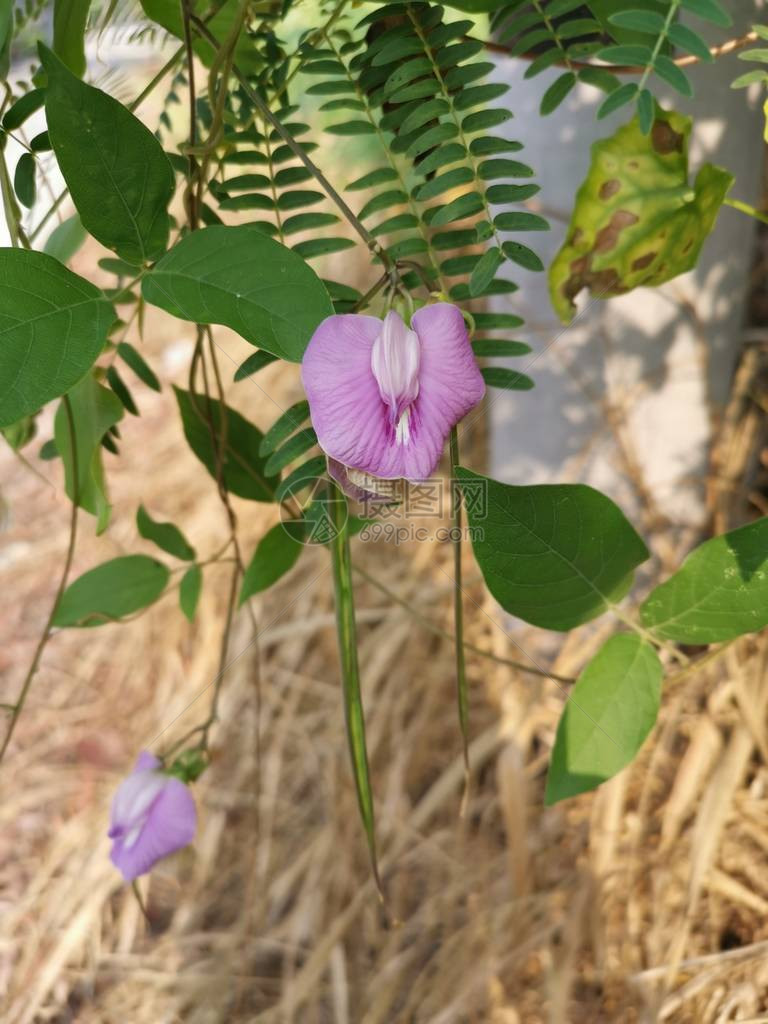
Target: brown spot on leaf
665, 139
609, 188
633, 165
576, 236
687, 246
644, 261
608, 236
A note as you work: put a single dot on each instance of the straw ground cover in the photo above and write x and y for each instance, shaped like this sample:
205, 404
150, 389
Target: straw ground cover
646, 900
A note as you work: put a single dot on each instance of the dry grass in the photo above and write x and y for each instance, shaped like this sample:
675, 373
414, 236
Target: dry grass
645, 901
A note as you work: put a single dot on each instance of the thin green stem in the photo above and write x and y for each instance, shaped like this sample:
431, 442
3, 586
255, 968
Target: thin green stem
660, 40
18, 706
750, 211
451, 637
350, 670
458, 611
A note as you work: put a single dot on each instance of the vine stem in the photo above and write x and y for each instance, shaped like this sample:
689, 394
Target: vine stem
346, 630
18, 706
633, 69
451, 638
458, 615
750, 211
296, 149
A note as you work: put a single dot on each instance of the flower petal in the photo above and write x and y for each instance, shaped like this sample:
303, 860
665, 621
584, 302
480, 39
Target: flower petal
169, 826
450, 382
348, 413
353, 422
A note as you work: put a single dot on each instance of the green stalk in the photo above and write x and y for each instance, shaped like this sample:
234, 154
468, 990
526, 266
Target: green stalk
350, 669
458, 614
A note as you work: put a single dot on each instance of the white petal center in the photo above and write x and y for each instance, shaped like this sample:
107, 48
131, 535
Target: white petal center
395, 360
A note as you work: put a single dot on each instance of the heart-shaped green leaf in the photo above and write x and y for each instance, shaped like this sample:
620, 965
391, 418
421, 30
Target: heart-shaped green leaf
53, 325
555, 555
241, 278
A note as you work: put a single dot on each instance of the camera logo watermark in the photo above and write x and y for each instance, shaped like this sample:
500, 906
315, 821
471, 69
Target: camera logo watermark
401, 511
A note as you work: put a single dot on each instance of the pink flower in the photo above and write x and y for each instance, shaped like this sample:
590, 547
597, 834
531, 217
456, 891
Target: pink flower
153, 815
383, 397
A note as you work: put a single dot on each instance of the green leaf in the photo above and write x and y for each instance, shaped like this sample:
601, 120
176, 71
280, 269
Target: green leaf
487, 145
520, 221
243, 470
646, 110
53, 325
23, 107
460, 208
503, 168
628, 53
65, 239
118, 385
189, 591
302, 476
607, 717
637, 220
383, 201
69, 20
143, 371
111, 591
686, 39
221, 25
119, 178
167, 536
499, 347
314, 247
507, 380
720, 591
291, 450
94, 411
673, 75
485, 270
554, 555
283, 427
24, 184
373, 178
277, 552
616, 99
239, 277
709, 10
522, 255
308, 221
253, 364
490, 321
640, 21
484, 119
441, 157
557, 92
443, 183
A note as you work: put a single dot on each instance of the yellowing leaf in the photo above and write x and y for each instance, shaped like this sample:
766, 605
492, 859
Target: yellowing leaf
637, 221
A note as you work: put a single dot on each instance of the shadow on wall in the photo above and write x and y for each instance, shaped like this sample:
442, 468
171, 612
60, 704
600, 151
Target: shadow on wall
635, 378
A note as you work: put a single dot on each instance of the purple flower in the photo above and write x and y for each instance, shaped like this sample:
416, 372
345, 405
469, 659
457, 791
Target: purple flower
153, 815
383, 397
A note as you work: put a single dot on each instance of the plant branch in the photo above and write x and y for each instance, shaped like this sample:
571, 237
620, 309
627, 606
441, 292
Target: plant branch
458, 614
450, 637
18, 706
631, 69
295, 148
